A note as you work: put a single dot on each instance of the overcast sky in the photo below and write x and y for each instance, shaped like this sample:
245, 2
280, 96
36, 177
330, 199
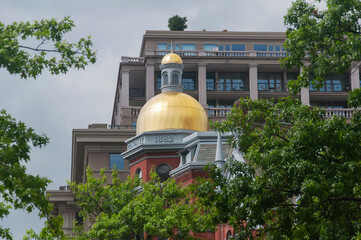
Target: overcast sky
57, 104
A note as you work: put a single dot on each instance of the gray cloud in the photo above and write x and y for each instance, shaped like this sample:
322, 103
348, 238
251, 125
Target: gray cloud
57, 104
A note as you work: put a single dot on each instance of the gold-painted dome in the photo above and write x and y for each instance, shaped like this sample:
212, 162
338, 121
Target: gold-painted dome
172, 110
171, 58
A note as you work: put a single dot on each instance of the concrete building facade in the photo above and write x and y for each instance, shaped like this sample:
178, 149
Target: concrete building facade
217, 69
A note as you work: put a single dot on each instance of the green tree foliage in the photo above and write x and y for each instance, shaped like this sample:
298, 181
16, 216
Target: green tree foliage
18, 189
322, 40
300, 179
177, 23
136, 210
50, 50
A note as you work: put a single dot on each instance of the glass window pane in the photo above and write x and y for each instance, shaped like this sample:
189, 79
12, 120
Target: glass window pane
116, 161
220, 47
209, 47
161, 46
177, 47
260, 47
270, 48
228, 48
238, 47
278, 48
189, 81
189, 47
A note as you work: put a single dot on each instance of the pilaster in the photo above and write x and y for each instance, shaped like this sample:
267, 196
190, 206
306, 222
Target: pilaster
253, 80
149, 81
355, 76
202, 84
125, 88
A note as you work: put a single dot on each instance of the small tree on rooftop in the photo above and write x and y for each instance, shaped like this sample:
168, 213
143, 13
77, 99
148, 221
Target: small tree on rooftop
177, 23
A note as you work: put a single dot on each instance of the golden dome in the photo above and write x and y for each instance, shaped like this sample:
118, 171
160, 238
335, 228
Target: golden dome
171, 58
172, 110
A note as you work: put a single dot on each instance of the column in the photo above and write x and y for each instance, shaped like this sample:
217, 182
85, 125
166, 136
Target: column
125, 88
118, 106
202, 84
253, 80
305, 96
355, 76
149, 81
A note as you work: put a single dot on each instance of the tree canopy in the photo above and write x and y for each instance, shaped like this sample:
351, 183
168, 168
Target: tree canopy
300, 179
322, 39
18, 189
28, 48
177, 23
136, 210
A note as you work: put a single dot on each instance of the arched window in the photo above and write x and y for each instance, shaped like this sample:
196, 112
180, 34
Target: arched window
163, 172
229, 235
175, 79
165, 77
138, 173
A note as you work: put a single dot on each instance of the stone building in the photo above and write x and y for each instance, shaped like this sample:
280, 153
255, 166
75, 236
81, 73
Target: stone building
213, 69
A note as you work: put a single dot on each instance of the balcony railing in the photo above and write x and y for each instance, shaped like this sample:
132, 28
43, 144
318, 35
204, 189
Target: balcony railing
344, 112
220, 53
122, 127
218, 112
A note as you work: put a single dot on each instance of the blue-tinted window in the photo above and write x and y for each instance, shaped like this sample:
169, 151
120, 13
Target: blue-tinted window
278, 48
220, 47
228, 48
158, 82
188, 47
270, 48
162, 46
260, 47
272, 82
177, 47
210, 81
189, 81
226, 104
211, 103
238, 47
116, 161
134, 125
233, 82
333, 83
209, 47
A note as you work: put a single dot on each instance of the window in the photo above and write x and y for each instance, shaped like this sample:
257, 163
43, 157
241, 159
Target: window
272, 82
162, 46
238, 47
329, 104
134, 125
210, 47
229, 235
260, 47
138, 173
211, 103
226, 104
333, 83
116, 161
211, 82
189, 81
174, 78
188, 47
158, 82
233, 82
163, 172
165, 77
176, 46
